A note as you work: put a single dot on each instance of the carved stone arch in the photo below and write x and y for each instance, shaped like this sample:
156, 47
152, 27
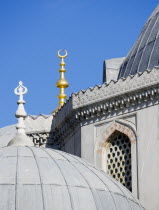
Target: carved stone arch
121, 126
102, 145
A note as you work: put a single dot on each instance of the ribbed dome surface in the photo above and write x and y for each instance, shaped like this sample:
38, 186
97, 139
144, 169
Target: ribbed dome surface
45, 179
145, 52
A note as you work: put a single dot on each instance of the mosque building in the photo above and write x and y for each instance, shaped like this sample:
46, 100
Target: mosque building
99, 149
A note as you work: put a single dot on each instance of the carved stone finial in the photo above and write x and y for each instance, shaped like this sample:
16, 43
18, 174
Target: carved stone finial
20, 91
21, 139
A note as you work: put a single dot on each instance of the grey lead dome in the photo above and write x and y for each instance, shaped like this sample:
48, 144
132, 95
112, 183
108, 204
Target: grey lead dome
44, 179
145, 52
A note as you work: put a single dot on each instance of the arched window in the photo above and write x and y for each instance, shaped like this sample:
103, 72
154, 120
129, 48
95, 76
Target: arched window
118, 158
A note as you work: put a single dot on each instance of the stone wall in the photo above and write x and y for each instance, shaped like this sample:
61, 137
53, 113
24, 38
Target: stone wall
148, 156
141, 127
83, 125
72, 143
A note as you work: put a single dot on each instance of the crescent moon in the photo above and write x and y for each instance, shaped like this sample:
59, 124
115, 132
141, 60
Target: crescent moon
62, 56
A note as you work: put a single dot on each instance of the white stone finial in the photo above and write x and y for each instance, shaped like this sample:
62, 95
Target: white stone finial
21, 139
20, 113
20, 90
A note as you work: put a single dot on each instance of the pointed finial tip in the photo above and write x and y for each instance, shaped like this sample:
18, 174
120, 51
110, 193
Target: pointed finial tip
20, 83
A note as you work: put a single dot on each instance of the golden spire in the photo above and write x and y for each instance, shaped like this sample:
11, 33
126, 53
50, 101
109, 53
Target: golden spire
62, 82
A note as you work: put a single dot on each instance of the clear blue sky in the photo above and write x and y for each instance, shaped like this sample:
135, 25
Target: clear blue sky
32, 31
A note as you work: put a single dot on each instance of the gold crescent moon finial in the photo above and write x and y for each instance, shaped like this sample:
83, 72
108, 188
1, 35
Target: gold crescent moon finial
62, 82
62, 56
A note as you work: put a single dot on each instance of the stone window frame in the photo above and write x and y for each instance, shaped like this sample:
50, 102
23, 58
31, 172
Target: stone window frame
102, 145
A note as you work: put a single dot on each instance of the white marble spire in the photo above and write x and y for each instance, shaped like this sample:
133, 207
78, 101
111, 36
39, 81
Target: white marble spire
21, 139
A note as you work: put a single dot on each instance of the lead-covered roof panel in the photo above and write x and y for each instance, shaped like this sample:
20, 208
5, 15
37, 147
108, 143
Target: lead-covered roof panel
37, 178
144, 54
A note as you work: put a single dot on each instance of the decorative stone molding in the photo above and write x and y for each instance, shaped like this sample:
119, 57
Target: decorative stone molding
132, 100
40, 139
38, 129
38, 124
116, 125
114, 89
128, 94
142, 87
132, 93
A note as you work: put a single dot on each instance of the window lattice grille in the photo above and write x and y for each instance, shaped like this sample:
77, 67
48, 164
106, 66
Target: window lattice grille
119, 159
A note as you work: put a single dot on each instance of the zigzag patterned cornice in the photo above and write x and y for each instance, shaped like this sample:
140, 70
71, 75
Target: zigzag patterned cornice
114, 89
107, 92
98, 109
102, 100
119, 103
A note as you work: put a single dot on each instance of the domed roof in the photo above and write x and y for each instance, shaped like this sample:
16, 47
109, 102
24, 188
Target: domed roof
144, 54
44, 179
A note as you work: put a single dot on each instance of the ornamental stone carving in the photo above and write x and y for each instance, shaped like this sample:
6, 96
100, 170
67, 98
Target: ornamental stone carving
115, 126
122, 86
124, 95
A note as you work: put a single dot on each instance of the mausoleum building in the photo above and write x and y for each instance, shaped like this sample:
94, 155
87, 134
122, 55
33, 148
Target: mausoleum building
113, 127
